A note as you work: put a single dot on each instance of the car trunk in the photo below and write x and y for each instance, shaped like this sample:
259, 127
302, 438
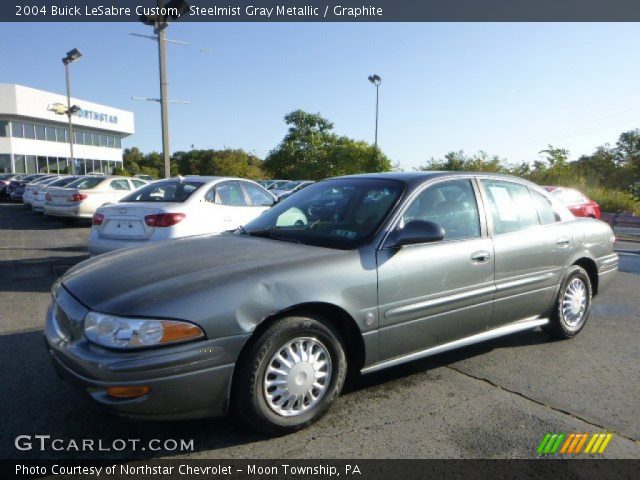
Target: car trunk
126, 221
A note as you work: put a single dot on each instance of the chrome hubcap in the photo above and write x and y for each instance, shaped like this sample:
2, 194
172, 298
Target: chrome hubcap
574, 302
297, 376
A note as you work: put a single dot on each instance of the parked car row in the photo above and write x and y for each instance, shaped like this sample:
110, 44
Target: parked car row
72, 196
284, 188
176, 208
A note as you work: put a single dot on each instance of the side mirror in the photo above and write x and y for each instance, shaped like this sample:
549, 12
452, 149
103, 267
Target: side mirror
417, 231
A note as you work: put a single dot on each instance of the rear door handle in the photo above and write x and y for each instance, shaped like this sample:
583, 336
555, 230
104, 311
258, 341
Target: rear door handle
480, 257
563, 241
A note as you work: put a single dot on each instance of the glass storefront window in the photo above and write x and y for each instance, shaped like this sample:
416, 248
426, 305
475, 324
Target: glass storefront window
17, 130
42, 165
29, 131
61, 135
40, 132
19, 163
5, 163
31, 164
50, 134
52, 165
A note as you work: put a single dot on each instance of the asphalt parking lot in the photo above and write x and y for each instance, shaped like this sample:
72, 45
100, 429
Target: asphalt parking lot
493, 400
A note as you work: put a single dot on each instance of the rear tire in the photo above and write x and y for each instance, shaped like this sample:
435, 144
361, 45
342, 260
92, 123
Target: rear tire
573, 305
290, 375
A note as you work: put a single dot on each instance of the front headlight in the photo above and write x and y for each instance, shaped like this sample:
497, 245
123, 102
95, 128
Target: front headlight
128, 333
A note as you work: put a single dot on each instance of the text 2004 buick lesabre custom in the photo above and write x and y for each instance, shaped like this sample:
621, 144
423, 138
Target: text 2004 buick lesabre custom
360, 272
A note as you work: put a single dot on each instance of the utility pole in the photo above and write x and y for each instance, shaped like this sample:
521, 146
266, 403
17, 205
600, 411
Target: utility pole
159, 23
164, 104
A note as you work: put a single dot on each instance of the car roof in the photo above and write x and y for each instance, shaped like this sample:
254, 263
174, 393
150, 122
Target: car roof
204, 178
415, 178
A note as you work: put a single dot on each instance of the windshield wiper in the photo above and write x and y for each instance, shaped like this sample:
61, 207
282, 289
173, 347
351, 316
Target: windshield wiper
269, 233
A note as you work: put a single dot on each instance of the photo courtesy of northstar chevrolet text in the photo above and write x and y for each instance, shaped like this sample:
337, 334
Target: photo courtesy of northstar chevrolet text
267, 239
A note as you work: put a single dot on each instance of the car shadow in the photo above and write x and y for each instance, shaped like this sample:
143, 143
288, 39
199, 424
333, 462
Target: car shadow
521, 339
36, 401
37, 274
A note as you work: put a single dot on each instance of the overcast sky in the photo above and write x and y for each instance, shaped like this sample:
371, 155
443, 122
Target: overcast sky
508, 89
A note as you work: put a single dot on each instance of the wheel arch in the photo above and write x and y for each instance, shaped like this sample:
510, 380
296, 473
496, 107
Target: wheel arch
591, 268
336, 316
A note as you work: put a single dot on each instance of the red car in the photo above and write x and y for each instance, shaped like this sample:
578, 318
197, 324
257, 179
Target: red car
579, 204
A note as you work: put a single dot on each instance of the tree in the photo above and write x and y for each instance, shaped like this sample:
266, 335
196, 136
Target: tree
310, 150
458, 161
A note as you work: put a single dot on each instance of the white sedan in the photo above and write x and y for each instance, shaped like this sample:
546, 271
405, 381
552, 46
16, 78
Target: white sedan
82, 197
176, 208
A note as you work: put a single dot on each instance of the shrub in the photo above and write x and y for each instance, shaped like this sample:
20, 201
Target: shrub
613, 201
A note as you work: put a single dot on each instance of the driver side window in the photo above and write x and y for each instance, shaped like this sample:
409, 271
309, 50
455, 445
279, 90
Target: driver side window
452, 205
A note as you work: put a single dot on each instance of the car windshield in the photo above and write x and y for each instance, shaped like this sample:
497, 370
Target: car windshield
6, 175
30, 178
278, 184
171, 191
86, 183
61, 182
569, 196
289, 186
341, 213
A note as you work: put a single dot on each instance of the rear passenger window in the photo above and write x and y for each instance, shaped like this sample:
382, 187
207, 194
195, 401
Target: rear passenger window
120, 185
229, 193
452, 205
545, 209
511, 206
259, 197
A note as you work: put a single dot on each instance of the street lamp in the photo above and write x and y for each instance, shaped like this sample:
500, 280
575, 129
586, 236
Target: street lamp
71, 57
376, 80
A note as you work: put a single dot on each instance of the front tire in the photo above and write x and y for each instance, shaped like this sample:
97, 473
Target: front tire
290, 375
573, 304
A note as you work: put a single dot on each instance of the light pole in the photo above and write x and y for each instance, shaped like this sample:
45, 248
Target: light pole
376, 80
71, 57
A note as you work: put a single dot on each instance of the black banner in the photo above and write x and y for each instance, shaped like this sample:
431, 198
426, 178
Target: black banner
322, 10
188, 469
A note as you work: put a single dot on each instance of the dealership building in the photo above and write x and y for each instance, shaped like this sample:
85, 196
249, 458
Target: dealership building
35, 139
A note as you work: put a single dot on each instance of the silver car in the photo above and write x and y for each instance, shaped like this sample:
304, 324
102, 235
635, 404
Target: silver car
353, 274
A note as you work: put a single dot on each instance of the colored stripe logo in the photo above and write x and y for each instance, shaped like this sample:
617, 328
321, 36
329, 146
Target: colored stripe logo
573, 443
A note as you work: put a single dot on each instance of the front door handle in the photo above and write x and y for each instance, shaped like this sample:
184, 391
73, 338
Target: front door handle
482, 256
563, 241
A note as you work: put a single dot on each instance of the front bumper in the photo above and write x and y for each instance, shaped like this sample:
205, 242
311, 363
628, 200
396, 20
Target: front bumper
191, 380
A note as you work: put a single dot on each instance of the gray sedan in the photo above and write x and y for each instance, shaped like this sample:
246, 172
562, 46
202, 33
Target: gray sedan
352, 274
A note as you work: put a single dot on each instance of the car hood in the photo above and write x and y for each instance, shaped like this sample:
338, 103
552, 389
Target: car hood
122, 281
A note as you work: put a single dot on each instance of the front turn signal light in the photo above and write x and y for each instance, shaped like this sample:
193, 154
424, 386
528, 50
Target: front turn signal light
128, 392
